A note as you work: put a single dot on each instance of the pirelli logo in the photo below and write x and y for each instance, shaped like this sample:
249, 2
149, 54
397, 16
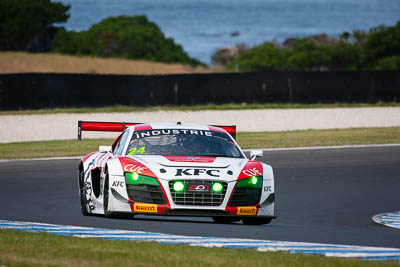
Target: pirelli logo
246, 211
138, 207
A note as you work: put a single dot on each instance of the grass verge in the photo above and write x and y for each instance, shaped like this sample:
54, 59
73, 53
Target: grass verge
231, 106
19, 248
306, 138
23, 62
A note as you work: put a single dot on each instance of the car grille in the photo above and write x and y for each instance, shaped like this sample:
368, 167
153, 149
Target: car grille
198, 198
245, 197
151, 194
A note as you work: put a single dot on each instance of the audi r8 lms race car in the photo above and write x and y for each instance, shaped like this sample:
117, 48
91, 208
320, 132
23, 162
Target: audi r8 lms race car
176, 169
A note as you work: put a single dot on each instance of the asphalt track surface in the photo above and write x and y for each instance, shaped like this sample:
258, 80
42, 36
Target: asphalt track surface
324, 196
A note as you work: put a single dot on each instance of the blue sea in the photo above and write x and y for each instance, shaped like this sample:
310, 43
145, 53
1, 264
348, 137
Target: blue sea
203, 26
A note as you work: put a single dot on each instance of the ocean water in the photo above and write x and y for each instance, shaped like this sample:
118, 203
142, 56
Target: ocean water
203, 26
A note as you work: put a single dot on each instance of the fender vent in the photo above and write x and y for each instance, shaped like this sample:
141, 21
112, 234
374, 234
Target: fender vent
245, 197
151, 194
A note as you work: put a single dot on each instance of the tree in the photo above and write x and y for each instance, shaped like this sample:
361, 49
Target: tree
383, 43
132, 37
28, 24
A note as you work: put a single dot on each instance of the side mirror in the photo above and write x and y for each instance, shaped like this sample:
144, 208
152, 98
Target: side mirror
105, 149
256, 153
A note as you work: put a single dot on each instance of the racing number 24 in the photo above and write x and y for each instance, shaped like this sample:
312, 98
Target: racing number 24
134, 150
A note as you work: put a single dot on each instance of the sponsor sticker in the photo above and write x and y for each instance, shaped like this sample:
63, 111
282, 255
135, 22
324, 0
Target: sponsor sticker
134, 168
134, 150
138, 207
149, 133
252, 172
200, 159
198, 188
268, 188
118, 184
246, 211
196, 172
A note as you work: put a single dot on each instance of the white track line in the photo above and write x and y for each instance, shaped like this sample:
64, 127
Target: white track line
391, 219
323, 147
329, 250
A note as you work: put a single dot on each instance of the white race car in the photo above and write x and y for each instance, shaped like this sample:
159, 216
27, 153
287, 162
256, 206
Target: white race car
176, 169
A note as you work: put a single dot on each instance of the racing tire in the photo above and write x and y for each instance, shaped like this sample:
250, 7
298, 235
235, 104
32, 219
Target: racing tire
106, 196
82, 193
256, 221
225, 219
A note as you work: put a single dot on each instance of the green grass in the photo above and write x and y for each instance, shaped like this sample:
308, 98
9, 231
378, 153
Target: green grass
19, 248
356, 136
306, 138
45, 149
231, 106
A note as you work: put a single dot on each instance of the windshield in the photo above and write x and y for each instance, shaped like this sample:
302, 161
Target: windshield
182, 142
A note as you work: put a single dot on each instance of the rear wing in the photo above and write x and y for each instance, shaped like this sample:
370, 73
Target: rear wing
121, 126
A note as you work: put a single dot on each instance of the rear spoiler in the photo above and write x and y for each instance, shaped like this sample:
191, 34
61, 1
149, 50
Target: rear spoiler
121, 126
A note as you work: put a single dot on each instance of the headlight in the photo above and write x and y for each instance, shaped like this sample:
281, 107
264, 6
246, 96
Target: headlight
252, 182
217, 187
178, 186
138, 179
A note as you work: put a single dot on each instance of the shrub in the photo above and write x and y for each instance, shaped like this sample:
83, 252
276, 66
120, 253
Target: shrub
263, 57
132, 37
378, 49
382, 43
388, 63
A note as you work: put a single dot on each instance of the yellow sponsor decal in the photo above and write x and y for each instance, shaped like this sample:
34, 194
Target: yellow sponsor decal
246, 211
138, 207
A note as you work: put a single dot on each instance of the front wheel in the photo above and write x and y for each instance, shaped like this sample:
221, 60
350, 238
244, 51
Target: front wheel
82, 192
106, 196
256, 221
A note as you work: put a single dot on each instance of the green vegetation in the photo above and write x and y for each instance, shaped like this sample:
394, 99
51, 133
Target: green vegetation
128, 37
19, 248
308, 138
304, 138
378, 49
27, 24
56, 148
231, 106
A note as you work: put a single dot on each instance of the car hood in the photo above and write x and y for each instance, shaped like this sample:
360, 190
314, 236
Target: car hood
186, 167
